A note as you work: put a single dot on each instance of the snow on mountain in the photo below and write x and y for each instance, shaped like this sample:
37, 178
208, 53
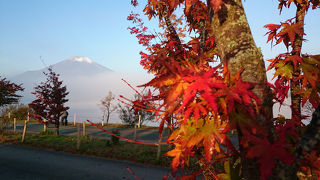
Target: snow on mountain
79, 66
80, 59
75, 66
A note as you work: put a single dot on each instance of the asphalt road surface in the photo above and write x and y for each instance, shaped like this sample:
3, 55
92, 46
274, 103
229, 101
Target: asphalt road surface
17, 162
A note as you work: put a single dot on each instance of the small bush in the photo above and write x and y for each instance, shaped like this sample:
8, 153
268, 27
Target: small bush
18, 111
115, 140
4, 124
108, 143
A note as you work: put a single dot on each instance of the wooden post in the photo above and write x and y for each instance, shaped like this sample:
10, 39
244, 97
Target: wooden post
102, 121
84, 128
139, 124
14, 125
9, 115
78, 137
74, 119
24, 131
45, 126
135, 132
159, 148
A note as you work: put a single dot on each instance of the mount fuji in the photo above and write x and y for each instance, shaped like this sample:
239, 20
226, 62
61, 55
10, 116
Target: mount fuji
79, 66
87, 83
69, 68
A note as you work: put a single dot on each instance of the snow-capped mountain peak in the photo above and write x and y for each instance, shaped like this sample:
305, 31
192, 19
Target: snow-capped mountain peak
80, 59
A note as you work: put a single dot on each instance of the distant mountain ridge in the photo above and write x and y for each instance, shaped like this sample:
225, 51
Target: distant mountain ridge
87, 83
71, 67
75, 72
79, 66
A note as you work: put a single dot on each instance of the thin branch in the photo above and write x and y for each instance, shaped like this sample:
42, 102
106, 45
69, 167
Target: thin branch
171, 29
203, 35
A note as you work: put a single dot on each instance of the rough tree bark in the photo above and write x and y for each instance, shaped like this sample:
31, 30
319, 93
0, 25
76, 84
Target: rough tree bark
237, 47
297, 45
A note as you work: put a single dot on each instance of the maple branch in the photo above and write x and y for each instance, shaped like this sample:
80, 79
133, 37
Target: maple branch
297, 44
133, 173
171, 29
296, 50
203, 35
157, 34
139, 107
137, 93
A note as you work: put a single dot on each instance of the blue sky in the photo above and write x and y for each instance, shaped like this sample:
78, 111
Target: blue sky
59, 29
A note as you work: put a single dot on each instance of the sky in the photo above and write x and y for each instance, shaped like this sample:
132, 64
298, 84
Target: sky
38, 32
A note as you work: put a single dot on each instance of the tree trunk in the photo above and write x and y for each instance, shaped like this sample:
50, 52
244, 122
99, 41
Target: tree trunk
57, 128
108, 115
103, 114
237, 47
295, 87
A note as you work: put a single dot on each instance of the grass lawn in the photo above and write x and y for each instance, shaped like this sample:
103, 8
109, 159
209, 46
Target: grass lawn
92, 146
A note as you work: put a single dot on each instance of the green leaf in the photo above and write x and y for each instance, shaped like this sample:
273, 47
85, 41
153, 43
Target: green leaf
284, 70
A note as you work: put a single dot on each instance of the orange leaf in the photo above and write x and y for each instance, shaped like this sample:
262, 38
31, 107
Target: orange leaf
290, 30
272, 31
216, 5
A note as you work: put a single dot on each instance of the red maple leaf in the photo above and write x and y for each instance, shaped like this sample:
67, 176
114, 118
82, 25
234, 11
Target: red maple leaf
273, 28
196, 108
289, 32
188, 4
267, 153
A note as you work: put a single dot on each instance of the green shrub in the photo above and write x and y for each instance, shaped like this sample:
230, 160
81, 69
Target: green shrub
108, 143
18, 111
115, 140
4, 124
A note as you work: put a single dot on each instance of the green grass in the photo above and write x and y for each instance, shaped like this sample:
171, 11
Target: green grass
92, 146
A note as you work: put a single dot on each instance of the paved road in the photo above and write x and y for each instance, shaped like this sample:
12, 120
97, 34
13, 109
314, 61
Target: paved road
145, 135
26, 163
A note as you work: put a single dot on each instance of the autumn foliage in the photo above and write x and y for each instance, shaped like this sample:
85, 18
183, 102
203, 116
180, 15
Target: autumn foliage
215, 113
50, 99
8, 92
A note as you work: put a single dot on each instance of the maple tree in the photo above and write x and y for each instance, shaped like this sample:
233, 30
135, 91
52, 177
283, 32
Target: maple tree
50, 99
214, 83
8, 92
